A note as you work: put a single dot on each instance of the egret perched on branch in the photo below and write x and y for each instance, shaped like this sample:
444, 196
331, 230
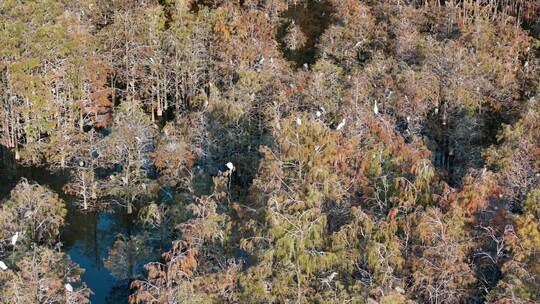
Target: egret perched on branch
69, 287
230, 166
318, 113
341, 124
14, 238
375, 108
298, 121
3, 265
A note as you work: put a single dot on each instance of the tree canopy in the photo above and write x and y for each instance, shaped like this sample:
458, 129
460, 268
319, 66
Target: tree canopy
329, 151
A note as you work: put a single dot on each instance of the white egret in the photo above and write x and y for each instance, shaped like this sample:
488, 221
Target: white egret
318, 113
341, 124
444, 118
375, 108
230, 166
3, 265
69, 287
298, 121
14, 238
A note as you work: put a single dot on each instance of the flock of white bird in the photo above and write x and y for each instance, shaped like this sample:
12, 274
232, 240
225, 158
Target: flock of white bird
342, 123
229, 166
322, 111
14, 240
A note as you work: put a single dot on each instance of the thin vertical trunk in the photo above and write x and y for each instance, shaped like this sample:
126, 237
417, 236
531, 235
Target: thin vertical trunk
85, 199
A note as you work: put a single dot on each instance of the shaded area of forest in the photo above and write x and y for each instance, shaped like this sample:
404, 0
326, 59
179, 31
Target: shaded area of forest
302, 26
269, 151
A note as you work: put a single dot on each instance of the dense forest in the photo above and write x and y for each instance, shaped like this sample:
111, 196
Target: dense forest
270, 151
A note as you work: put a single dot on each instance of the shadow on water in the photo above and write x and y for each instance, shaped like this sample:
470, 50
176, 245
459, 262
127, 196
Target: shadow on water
313, 17
87, 237
11, 173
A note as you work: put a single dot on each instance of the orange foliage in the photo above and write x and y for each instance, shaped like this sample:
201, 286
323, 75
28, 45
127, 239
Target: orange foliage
100, 106
478, 189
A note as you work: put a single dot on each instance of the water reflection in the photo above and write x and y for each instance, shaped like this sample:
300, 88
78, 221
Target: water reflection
87, 239
89, 236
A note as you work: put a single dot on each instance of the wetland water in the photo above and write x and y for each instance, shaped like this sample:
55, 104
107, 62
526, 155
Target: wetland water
88, 237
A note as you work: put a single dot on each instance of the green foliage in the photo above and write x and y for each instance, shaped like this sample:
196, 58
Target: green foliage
520, 275
31, 220
129, 146
440, 271
41, 277
373, 174
35, 212
49, 59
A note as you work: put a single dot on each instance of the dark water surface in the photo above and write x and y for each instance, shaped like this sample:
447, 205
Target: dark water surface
87, 236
